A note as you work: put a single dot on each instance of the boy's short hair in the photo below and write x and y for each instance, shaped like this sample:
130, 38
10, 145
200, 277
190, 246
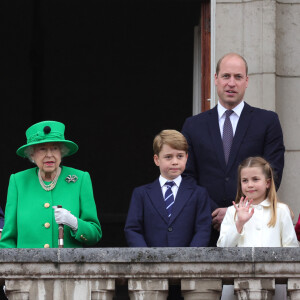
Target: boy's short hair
172, 138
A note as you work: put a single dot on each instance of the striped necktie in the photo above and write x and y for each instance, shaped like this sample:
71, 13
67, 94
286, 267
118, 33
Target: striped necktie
169, 197
227, 135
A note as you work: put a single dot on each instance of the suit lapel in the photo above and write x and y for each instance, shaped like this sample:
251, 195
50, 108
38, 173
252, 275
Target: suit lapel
214, 130
241, 130
156, 197
183, 195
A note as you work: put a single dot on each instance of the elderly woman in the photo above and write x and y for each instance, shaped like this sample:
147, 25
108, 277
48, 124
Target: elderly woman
31, 214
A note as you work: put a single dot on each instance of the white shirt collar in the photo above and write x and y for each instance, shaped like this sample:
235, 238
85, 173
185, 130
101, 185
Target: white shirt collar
163, 180
265, 203
237, 110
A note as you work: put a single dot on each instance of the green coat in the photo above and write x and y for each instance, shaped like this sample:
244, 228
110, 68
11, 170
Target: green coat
29, 209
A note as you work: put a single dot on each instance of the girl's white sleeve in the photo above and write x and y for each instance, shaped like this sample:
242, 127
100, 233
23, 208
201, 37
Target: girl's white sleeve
229, 236
288, 235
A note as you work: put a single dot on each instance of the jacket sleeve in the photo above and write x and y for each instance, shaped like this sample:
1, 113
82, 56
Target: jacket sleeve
229, 236
89, 229
191, 165
288, 235
10, 232
203, 221
190, 169
297, 228
274, 148
134, 227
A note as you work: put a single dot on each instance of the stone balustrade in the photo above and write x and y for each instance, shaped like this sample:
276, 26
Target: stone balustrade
94, 273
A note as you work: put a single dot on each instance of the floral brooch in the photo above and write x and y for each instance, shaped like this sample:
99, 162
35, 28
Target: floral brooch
71, 178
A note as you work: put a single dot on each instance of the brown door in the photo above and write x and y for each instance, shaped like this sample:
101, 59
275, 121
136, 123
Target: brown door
205, 55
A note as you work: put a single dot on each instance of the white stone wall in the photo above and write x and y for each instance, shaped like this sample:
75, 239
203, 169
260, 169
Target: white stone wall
267, 34
288, 96
248, 29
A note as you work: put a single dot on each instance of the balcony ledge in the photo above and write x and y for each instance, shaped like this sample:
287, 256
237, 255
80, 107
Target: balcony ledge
151, 262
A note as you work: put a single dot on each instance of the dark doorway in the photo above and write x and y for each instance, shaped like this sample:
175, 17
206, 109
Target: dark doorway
115, 72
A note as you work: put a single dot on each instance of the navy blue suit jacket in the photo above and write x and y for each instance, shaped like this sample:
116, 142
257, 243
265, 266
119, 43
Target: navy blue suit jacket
258, 133
148, 225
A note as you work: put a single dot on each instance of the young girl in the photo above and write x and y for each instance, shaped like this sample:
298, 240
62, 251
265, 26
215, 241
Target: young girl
256, 218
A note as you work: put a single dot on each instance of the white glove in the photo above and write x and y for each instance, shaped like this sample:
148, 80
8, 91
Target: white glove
63, 216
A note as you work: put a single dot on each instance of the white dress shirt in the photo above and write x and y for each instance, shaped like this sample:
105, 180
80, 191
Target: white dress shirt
234, 117
175, 187
256, 232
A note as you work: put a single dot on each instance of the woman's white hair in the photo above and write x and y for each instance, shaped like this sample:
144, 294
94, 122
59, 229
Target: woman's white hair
28, 152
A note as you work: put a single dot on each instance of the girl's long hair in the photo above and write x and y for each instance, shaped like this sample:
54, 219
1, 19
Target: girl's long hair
270, 192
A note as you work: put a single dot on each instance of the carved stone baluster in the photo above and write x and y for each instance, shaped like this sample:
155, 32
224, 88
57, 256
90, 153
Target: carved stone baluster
293, 288
17, 289
103, 289
148, 289
254, 289
201, 289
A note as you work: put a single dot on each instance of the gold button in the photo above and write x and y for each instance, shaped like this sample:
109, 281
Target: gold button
47, 225
46, 246
46, 205
83, 237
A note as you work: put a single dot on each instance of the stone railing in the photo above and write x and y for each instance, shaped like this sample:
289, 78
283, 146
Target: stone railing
94, 273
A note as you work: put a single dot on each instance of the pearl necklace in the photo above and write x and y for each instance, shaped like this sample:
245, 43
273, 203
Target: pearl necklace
52, 184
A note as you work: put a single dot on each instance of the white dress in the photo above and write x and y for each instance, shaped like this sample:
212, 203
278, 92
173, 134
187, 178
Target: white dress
256, 232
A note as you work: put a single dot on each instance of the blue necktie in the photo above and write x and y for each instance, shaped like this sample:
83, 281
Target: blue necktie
227, 135
169, 197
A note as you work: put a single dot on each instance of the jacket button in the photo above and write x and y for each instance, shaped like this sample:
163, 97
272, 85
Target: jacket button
170, 229
227, 179
46, 205
47, 225
83, 237
46, 246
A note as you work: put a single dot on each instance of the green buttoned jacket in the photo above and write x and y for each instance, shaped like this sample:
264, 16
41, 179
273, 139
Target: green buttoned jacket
29, 216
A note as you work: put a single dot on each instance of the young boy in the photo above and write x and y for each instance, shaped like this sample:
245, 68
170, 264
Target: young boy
172, 211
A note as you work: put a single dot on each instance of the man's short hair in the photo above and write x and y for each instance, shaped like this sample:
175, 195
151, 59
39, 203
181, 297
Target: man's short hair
230, 54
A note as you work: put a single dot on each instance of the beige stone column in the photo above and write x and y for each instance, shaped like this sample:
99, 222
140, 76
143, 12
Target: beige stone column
254, 289
148, 289
287, 96
293, 288
251, 25
201, 289
17, 289
103, 289
70, 289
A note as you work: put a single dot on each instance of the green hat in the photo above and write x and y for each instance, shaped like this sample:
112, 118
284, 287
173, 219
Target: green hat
47, 132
